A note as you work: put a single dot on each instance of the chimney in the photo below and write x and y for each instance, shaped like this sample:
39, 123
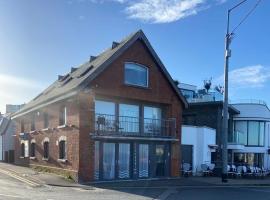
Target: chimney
73, 69
114, 44
92, 58
60, 77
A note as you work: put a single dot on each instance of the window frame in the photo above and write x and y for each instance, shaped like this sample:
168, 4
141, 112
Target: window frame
22, 150
47, 150
33, 153
61, 152
46, 120
63, 116
259, 135
33, 122
139, 65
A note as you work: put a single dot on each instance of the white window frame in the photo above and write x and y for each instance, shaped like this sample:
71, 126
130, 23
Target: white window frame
139, 65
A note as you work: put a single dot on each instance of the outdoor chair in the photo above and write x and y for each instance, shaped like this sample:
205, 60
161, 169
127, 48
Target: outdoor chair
239, 171
247, 173
211, 168
186, 169
205, 169
231, 171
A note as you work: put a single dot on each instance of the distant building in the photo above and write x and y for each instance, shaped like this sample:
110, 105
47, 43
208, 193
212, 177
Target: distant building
7, 132
13, 108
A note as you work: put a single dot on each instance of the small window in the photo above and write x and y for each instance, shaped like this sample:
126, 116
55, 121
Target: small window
46, 150
33, 122
22, 126
63, 116
136, 74
46, 120
62, 149
33, 150
22, 150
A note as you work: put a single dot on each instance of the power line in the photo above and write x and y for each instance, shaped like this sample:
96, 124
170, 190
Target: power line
246, 16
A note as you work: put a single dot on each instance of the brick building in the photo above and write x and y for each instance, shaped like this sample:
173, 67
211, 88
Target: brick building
118, 116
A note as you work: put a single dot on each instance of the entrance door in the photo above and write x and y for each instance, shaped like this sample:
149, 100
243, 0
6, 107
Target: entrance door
108, 160
187, 154
124, 160
143, 160
160, 160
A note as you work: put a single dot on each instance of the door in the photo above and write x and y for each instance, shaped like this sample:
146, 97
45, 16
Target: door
143, 160
187, 154
124, 161
108, 161
160, 157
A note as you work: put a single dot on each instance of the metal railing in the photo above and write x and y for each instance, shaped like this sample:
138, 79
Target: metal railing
134, 126
248, 101
236, 137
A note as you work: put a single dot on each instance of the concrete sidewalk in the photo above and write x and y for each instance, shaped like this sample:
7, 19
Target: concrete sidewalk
56, 180
40, 178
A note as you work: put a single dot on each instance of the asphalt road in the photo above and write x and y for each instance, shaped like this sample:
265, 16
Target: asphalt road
14, 189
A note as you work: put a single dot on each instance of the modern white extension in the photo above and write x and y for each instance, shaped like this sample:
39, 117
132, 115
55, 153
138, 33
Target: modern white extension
198, 143
249, 143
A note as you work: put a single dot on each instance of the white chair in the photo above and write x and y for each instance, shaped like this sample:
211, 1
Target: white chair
187, 169
239, 171
205, 169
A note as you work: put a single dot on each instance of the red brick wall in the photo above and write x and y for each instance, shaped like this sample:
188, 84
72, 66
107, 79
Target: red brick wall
80, 109
111, 83
72, 135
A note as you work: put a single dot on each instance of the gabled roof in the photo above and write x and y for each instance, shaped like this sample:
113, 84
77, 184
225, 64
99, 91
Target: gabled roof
78, 79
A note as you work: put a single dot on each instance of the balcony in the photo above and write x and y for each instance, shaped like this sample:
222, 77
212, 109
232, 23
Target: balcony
236, 140
111, 125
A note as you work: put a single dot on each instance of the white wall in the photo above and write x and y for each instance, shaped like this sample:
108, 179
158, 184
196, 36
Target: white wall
199, 138
256, 112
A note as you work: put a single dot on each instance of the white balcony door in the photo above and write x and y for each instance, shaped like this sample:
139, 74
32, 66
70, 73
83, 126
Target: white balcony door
124, 160
143, 160
108, 160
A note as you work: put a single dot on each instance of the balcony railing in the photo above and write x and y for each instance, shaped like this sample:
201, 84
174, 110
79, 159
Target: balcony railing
236, 138
134, 126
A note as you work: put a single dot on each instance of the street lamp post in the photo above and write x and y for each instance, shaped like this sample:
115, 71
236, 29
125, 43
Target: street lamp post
228, 39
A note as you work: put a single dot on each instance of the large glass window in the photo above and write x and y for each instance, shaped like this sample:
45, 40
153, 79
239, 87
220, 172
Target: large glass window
136, 74
108, 160
241, 126
128, 118
262, 131
105, 116
152, 120
253, 133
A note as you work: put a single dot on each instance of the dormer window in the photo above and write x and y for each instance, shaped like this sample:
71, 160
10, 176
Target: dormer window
136, 74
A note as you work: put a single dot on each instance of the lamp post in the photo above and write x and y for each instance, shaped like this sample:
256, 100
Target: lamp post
228, 39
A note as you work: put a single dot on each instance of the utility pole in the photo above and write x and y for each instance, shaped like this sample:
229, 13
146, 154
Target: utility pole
228, 39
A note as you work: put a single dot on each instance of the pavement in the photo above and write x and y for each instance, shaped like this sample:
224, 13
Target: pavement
35, 178
25, 183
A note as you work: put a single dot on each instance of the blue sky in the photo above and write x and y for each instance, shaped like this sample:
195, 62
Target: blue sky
41, 39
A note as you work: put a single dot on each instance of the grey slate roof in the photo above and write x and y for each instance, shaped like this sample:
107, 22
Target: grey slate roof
78, 79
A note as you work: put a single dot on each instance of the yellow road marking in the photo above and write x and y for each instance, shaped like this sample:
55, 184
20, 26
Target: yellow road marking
31, 183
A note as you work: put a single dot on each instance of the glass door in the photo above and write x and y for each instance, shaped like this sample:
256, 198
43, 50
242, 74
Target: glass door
124, 161
160, 160
143, 160
108, 160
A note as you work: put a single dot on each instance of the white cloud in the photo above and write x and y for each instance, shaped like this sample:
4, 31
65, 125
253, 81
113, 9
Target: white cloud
15, 90
162, 11
247, 77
